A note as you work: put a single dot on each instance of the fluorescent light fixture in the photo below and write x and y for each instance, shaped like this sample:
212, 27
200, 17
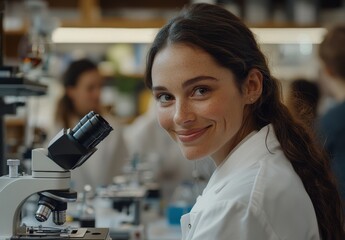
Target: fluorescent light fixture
104, 35
146, 35
289, 35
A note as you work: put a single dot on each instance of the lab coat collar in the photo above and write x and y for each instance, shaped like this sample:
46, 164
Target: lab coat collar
247, 153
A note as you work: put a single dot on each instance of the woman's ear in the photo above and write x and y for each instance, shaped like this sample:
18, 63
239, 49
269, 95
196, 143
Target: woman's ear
252, 87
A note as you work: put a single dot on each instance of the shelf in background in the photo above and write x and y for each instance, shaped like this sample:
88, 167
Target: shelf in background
116, 23
17, 86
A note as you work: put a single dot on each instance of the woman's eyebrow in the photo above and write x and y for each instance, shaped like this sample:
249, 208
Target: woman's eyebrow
159, 88
187, 83
197, 79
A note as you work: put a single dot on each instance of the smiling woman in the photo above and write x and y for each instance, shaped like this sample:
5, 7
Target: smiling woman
215, 97
190, 101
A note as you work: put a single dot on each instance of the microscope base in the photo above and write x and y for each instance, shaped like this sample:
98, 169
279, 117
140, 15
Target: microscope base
90, 234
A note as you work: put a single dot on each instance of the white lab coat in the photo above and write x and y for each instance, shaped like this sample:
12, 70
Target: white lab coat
254, 195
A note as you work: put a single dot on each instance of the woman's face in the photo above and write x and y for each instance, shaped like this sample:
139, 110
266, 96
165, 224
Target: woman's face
86, 94
198, 102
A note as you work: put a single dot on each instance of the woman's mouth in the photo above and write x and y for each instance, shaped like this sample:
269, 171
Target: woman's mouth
187, 136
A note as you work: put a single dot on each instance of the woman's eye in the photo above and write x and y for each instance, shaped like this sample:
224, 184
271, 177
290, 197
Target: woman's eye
164, 98
201, 91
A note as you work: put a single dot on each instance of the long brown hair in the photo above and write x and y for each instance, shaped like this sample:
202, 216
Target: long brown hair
303, 100
231, 43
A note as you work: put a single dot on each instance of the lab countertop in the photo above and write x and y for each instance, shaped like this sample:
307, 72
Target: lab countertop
154, 226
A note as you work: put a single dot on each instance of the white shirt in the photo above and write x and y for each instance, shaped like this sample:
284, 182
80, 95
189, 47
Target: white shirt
255, 194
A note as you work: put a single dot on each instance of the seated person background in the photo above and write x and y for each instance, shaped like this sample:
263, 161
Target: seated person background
82, 84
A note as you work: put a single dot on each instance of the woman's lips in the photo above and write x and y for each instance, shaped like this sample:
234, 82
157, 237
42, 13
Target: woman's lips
190, 135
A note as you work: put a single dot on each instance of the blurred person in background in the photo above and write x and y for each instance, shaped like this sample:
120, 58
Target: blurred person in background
83, 84
332, 122
303, 100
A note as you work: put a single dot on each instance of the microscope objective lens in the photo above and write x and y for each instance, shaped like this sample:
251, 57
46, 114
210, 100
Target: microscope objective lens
42, 213
59, 217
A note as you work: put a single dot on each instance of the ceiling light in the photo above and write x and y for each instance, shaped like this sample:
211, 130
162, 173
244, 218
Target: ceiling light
146, 35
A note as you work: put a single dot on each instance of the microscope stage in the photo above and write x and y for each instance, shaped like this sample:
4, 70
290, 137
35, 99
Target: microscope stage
76, 234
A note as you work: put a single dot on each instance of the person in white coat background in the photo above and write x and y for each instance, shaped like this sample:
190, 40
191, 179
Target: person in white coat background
82, 87
215, 97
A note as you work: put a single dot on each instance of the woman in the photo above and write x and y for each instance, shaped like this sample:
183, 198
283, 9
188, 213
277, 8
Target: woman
215, 96
82, 91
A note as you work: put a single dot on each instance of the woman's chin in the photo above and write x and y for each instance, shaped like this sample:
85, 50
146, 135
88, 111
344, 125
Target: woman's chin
193, 155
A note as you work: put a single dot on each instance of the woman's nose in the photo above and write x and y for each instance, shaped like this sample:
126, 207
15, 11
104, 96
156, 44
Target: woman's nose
183, 113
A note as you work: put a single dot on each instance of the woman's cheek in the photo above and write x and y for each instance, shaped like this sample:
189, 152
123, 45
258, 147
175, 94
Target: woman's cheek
164, 119
211, 110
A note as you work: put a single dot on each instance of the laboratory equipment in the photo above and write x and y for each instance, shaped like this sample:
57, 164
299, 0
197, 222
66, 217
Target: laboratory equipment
50, 179
123, 216
182, 202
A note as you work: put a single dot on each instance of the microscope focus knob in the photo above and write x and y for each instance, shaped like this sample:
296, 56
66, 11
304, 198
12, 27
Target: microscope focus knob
13, 167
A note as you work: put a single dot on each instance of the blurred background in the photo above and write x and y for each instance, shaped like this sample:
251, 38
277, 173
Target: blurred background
42, 37
288, 30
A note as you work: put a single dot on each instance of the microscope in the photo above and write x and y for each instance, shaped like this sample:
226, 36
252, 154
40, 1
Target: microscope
50, 179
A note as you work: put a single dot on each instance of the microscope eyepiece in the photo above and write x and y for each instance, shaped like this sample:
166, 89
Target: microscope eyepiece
91, 130
71, 148
83, 121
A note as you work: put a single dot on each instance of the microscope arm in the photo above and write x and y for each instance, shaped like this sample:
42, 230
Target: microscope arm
14, 191
11, 200
50, 172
